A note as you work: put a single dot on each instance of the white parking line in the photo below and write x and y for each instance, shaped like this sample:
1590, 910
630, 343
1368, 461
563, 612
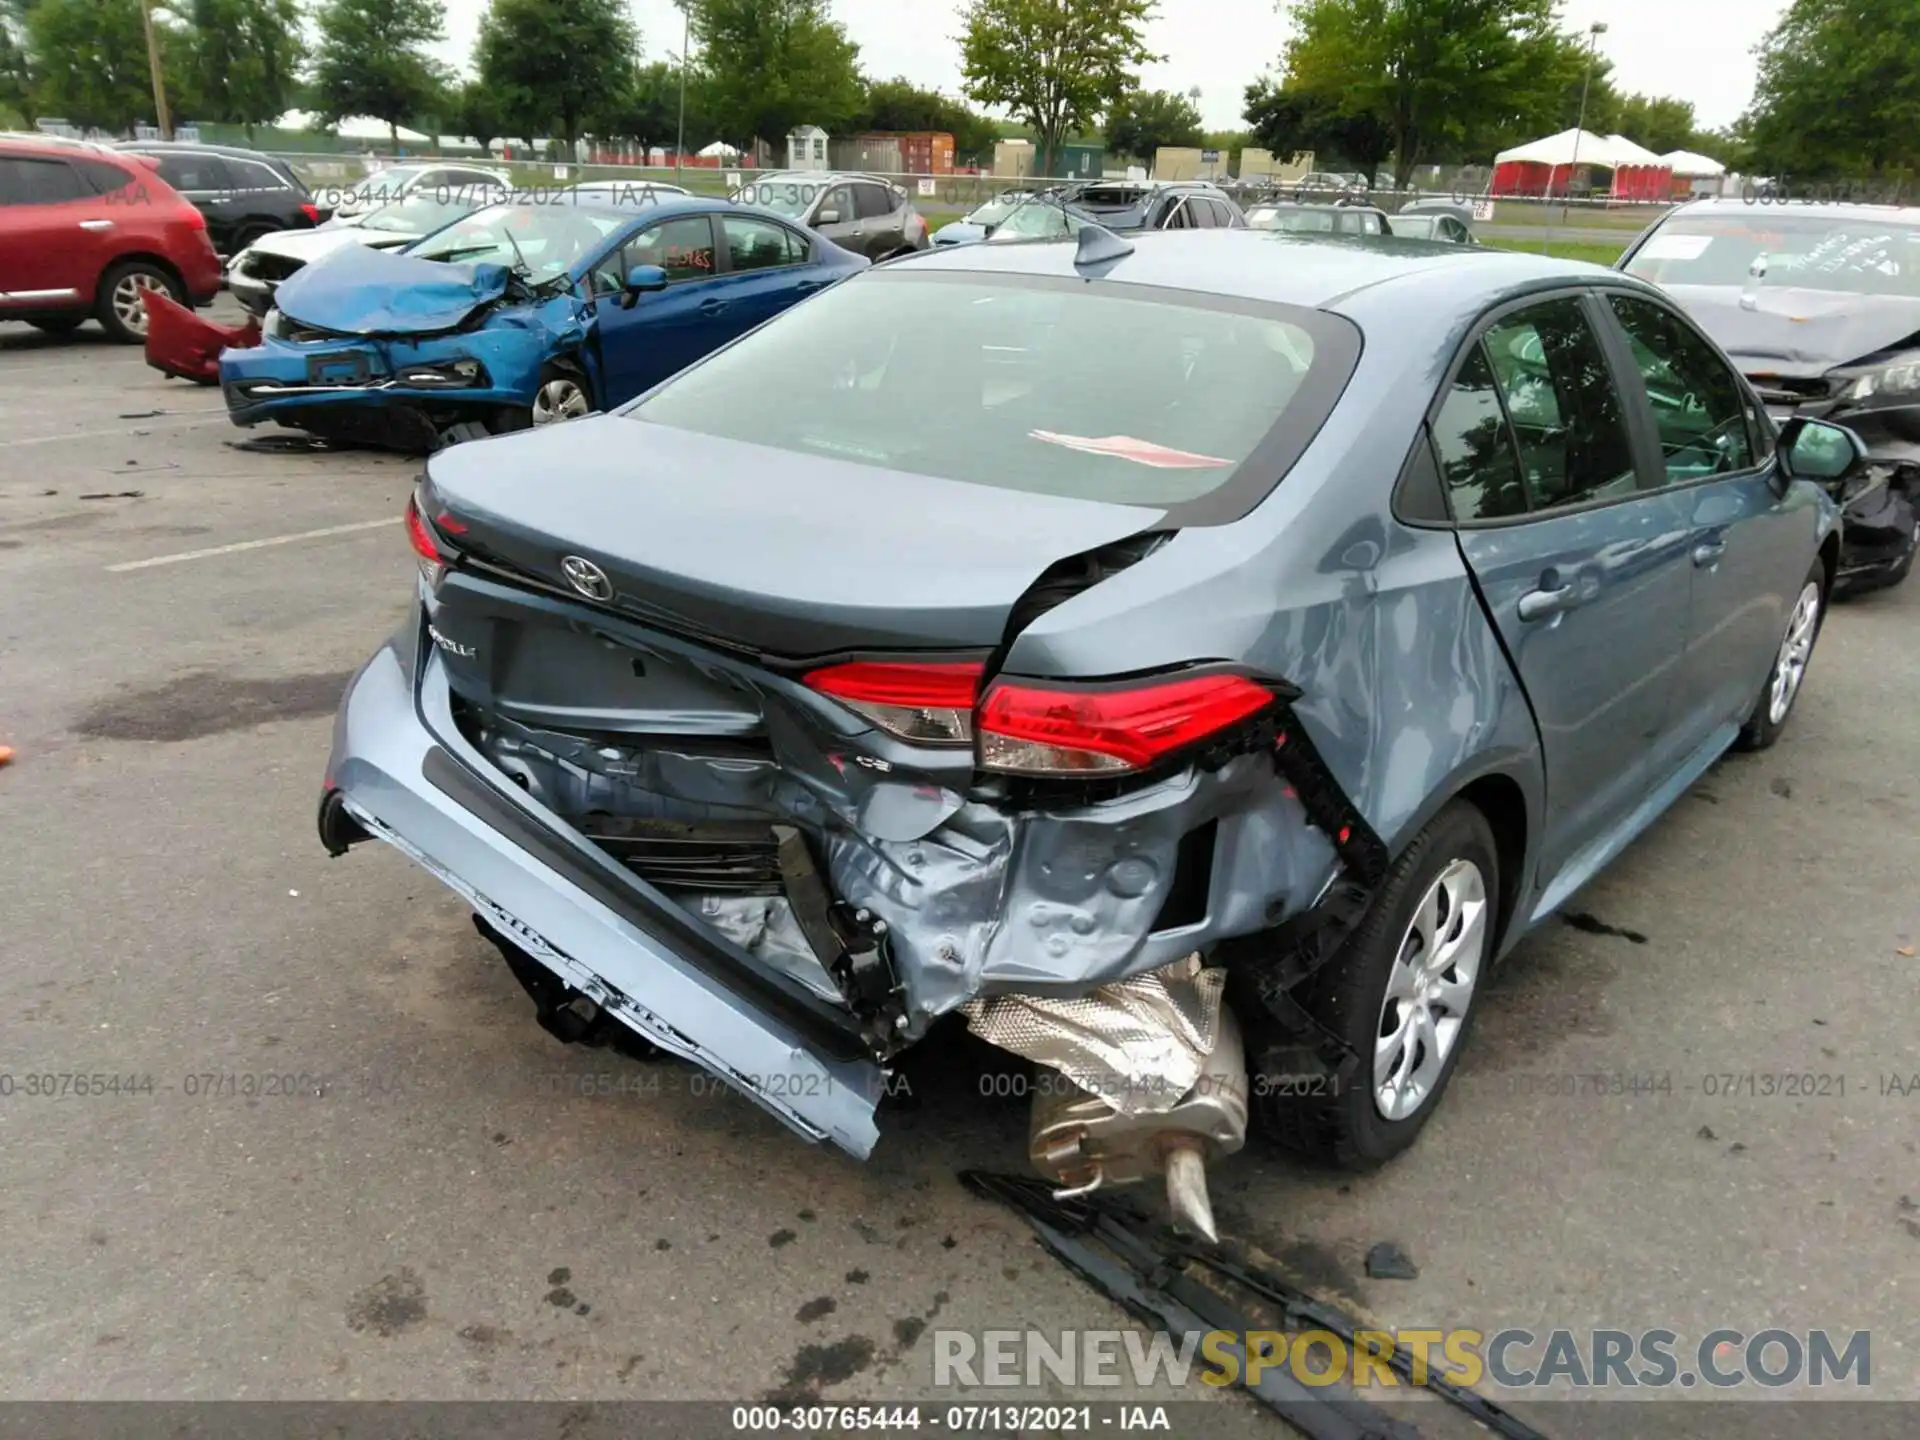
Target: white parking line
240, 545
108, 434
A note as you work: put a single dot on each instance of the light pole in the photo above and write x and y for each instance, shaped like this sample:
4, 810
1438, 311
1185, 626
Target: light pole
1594, 32
160, 116
680, 141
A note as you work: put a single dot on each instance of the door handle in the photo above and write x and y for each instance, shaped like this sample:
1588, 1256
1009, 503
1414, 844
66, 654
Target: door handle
96, 225
1709, 552
712, 307
1539, 604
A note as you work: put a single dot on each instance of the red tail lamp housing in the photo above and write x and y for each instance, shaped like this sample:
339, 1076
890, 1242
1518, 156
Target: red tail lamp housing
1111, 729
1050, 731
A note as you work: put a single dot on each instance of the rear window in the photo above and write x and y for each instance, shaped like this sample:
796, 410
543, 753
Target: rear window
28, 180
1099, 392
1858, 255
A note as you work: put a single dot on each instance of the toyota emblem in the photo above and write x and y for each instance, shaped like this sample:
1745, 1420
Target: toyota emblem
586, 577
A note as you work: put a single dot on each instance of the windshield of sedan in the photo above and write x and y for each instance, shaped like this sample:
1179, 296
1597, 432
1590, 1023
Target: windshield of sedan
1863, 255
1314, 222
1417, 227
1037, 220
1025, 386
423, 212
542, 242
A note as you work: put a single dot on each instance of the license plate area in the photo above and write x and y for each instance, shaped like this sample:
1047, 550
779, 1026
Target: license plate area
346, 367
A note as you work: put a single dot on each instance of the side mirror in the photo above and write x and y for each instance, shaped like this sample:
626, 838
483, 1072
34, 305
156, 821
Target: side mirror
827, 217
1815, 450
640, 280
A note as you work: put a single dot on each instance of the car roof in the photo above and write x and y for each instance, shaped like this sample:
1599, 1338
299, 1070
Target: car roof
58, 148
1898, 214
1314, 270
195, 147
822, 177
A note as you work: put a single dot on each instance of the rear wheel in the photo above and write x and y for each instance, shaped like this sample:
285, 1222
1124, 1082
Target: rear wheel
1400, 994
1775, 705
119, 307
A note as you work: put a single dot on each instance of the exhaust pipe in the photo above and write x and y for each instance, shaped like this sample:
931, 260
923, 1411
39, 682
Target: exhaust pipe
1083, 1144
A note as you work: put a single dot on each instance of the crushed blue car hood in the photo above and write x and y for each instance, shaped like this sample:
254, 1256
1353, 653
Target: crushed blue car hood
361, 291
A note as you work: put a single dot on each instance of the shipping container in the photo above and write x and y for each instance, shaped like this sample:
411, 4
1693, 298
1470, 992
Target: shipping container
1081, 162
875, 154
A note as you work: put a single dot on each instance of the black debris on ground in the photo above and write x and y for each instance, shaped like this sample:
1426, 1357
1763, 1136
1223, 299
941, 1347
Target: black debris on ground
1387, 1261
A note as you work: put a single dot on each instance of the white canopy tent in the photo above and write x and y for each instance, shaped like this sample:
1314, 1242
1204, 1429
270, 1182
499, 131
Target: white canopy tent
1689, 166
719, 149
1569, 147
1626, 152
353, 127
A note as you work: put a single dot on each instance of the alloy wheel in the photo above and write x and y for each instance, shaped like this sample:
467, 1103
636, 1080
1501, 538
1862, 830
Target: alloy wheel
128, 308
1430, 990
1796, 648
559, 399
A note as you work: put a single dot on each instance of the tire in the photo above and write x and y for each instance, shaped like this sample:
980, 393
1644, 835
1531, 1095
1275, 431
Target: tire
561, 394
59, 324
1788, 673
118, 307
1441, 898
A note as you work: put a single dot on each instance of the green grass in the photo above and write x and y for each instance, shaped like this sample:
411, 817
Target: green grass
1630, 219
1588, 250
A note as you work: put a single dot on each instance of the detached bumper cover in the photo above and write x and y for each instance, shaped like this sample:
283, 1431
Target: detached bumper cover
406, 776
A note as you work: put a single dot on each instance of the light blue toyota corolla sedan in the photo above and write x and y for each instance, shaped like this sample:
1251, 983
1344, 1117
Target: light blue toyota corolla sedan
1190, 662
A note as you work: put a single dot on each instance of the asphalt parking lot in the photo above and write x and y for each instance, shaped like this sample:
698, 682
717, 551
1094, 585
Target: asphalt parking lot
443, 1203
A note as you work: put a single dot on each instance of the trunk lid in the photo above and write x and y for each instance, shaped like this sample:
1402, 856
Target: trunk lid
759, 550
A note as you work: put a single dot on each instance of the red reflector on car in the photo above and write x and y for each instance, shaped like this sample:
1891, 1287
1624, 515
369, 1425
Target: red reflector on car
926, 701
1036, 730
311, 211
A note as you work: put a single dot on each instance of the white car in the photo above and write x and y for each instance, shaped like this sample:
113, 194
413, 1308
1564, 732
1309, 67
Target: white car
396, 182
256, 272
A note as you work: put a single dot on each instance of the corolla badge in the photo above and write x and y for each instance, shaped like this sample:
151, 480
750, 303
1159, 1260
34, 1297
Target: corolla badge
586, 577
450, 645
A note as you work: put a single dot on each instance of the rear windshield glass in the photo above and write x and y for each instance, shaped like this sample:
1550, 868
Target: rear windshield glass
1072, 390
1864, 255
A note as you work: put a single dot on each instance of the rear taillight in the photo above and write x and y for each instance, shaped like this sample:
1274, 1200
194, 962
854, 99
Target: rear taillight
311, 211
194, 219
931, 703
1108, 730
433, 564
1043, 730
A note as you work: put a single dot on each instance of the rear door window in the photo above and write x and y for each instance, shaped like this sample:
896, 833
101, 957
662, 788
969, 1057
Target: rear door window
252, 175
759, 244
1474, 444
872, 202
1566, 413
34, 181
201, 174
1699, 404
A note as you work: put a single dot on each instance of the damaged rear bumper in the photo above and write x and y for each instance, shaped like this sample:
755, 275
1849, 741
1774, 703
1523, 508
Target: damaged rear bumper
683, 989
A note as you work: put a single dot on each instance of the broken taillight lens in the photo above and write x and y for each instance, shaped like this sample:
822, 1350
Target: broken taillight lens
311, 211
930, 702
1110, 729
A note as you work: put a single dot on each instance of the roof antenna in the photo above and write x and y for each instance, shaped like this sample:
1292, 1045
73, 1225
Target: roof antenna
1097, 245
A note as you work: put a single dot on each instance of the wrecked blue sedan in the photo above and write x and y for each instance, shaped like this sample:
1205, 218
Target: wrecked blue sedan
518, 315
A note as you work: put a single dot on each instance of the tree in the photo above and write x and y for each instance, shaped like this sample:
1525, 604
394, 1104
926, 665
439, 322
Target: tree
772, 65
372, 60
17, 75
1431, 70
1288, 122
553, 61
474, 110
1056, 64
1659, 122
90, 60
246, 60
1141, 121
1838, 93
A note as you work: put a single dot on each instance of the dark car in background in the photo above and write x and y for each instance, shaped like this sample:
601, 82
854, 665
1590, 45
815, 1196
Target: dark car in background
1123, 205
866, 214
83, 231
1185, 660
1819, 305
243, 193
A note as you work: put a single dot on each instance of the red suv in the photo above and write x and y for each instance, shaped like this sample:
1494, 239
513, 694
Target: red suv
84, 231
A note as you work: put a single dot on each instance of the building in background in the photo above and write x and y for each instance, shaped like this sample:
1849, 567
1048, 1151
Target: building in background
807, 148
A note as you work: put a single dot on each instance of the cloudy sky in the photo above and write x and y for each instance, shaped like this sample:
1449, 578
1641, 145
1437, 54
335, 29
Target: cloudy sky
1699, 50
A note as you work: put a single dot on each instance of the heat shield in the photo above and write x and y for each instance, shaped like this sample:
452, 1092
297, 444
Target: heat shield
1139, 1044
